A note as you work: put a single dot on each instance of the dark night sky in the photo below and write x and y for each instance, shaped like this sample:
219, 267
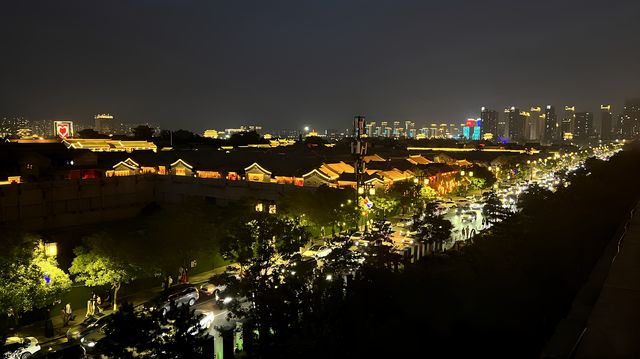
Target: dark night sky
216, 64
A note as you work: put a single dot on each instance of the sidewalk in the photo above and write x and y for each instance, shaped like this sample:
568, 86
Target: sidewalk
59, 331
613, 329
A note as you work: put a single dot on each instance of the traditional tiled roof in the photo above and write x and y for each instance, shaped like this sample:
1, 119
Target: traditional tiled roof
373, 158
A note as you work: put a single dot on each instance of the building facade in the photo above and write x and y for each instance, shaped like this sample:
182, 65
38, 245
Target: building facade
489, 124
606, 122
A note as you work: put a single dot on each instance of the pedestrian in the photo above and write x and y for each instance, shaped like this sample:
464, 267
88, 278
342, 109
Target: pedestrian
169, 281
65, 318
69, 313
88, 309
98, 304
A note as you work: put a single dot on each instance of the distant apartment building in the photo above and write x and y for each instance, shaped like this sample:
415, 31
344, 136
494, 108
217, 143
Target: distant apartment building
583, 128
606, 122
489, 124
567, 124
515, 124
534, 130
631, 118
104, 124
551, 126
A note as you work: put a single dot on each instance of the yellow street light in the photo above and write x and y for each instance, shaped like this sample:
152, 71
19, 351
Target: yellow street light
372, 191
51, 249
360, 190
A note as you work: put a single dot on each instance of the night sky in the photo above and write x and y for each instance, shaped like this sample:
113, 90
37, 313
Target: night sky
286, 64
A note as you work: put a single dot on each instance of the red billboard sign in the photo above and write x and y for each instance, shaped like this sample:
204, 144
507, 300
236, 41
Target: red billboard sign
63, 129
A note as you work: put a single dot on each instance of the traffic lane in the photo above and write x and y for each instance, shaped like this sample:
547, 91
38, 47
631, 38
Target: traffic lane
220, 315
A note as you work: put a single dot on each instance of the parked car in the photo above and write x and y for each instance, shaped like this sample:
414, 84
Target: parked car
88, 325
477, 205
69, 350
182, 294
317, 251
20, 348
91, 339
356, 236
469, 216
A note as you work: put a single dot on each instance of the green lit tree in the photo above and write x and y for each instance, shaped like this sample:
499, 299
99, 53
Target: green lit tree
29, 279
99, 262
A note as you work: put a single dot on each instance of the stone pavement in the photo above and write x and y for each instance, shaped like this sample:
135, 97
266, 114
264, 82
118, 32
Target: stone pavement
37, 329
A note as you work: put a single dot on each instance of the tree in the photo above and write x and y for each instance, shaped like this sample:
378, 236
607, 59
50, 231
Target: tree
90, 133
407, 193
246, 138
29, 279
385, 204
143, 132
148, 334
99, 262
324, 207
160, 243
266, 247
493, 209
432, 227
262, 239
428, 194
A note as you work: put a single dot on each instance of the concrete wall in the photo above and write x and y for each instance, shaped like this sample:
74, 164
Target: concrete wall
64, 203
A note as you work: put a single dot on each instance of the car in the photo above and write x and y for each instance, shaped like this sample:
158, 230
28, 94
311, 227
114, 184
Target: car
91, 323
477, 205
20, 348
206, 319
69, 350
318, 251
405, 222
408, 241
92, 338
210, 289
179, 295
356, 236
469, 216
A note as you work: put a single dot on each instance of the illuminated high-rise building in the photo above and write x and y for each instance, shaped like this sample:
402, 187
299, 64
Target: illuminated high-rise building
410, 129
551, 126
631, 118
489, 124
567, 124
583, 128
396, 129
606, 122
104, 124
471, 129
535, 124
515, 124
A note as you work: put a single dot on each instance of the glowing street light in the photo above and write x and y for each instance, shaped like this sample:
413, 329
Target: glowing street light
51, 249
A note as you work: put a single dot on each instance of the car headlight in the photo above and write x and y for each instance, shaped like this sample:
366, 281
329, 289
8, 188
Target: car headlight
227, 300
91, 344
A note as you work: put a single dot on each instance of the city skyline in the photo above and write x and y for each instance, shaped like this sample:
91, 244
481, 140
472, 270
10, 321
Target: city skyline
199, 66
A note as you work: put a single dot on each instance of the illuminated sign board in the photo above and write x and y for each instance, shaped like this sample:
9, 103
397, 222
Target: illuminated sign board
63, 129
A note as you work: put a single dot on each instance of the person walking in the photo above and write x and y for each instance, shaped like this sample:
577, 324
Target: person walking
65, 318
88, 313
99, 304
69, 313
